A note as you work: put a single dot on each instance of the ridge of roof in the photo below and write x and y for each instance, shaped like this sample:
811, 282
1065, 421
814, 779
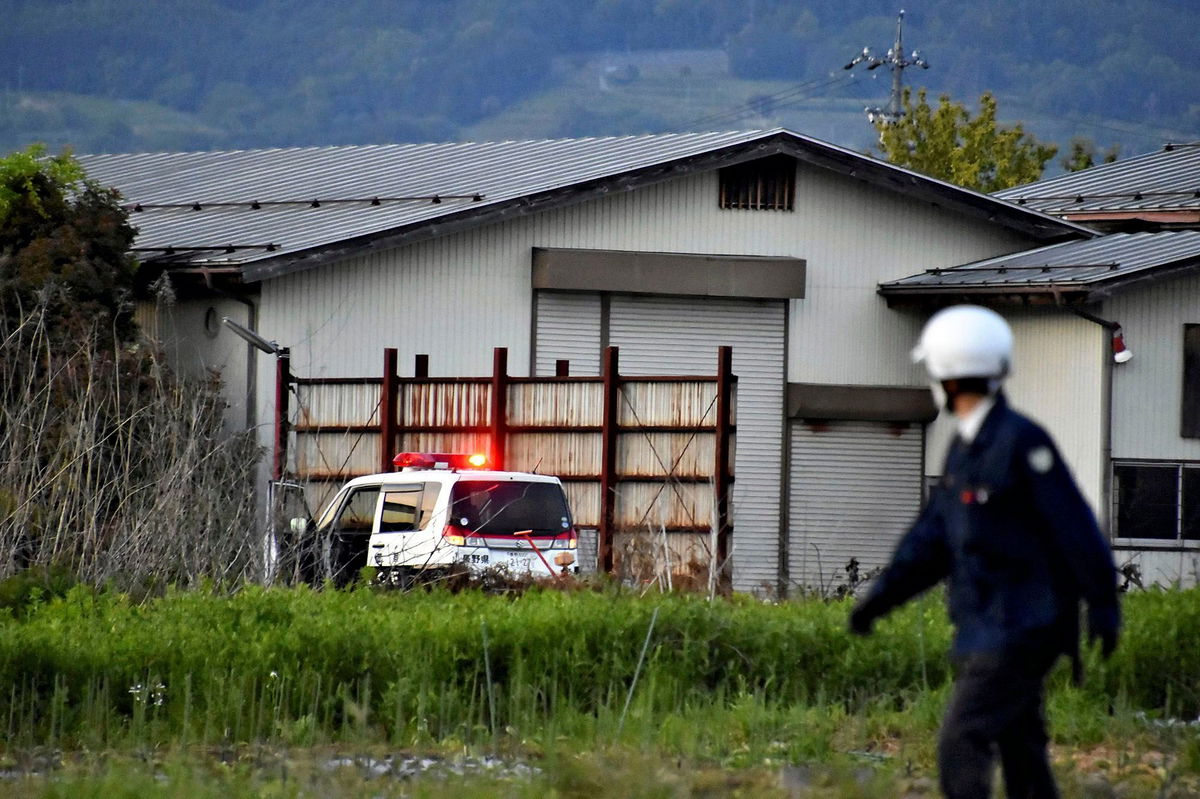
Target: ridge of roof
257, 205
1165, 179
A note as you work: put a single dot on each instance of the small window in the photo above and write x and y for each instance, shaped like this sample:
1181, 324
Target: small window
1190, 412
357, 514
1159, 502
768, 184
401, 508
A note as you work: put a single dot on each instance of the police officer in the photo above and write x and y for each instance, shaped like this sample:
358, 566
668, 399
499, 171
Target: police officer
1008, 530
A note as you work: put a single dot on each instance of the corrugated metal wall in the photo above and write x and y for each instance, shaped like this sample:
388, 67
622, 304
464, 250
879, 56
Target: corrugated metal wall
677, 335
855, 488
673, 335
1059, 363
457, 296
1148, 390
568, 328
1148, 397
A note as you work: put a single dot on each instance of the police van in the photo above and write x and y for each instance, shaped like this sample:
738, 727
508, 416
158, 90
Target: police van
441, 513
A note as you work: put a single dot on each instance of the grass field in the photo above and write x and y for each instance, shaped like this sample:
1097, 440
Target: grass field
295, 692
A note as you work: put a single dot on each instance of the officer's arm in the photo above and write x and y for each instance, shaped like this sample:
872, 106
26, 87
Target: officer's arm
1081, 547
921, 559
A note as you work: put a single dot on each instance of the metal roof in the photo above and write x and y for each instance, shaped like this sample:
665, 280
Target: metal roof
1077, 270
1166, 180
268, 212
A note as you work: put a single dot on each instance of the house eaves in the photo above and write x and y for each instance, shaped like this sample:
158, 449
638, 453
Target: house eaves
272, 212
1077, 272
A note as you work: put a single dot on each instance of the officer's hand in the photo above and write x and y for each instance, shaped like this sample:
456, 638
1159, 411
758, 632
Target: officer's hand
861, 621
1104, 624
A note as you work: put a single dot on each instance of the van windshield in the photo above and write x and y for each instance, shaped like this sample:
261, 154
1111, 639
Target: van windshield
493, 507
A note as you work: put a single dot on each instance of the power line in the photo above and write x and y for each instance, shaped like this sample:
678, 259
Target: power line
1123, 127
763, 104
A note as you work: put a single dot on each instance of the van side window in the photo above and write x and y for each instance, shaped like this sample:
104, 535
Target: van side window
358, 511
428, 503
401, 505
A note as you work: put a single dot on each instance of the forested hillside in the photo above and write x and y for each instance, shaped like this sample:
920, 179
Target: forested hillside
135, 75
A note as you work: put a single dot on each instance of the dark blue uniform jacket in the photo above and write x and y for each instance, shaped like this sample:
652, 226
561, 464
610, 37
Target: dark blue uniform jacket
1018, 545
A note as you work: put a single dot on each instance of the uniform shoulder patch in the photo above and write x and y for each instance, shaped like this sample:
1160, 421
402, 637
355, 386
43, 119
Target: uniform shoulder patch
1041, 459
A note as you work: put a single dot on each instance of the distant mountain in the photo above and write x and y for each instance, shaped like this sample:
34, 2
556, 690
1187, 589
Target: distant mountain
119, 75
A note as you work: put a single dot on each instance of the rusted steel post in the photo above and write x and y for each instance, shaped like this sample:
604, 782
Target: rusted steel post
722, 477
562, 368
499, 407
388, 391
608, 461
283, 384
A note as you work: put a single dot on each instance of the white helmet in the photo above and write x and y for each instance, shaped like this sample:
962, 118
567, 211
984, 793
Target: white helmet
965, 341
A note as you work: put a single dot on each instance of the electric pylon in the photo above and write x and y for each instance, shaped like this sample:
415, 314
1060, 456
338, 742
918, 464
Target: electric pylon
897, 62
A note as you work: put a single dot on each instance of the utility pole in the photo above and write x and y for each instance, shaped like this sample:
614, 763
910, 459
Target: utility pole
897, 62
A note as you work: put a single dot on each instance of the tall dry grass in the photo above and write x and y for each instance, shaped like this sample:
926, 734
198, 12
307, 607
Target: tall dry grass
114, 467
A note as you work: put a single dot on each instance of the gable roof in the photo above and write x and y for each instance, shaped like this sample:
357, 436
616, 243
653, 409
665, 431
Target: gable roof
265, 213
1073, 272
1140, 187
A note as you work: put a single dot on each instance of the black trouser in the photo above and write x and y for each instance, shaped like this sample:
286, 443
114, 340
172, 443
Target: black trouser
996, 708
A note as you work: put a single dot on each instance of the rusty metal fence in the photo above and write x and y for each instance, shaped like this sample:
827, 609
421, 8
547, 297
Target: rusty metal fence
647, 461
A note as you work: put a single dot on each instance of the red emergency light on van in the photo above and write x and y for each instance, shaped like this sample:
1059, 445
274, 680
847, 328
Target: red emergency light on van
439, 460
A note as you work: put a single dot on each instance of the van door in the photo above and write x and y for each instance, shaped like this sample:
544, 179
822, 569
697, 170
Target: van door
345, 534
404, 516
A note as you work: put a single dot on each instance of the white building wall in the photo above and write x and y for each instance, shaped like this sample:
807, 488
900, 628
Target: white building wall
200, 351
1148, 390
458, 296
855, 237
1058, 379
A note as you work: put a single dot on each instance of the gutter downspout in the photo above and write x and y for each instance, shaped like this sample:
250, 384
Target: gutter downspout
1106, 420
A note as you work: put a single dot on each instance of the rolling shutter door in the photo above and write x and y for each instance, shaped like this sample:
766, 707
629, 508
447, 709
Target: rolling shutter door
568, 327
680, 335
855, 489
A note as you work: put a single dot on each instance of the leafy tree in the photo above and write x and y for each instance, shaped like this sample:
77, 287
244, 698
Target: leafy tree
64, 245
948, 143
1083, 154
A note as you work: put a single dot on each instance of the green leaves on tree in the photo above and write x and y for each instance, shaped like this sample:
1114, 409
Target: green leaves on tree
64, 245
946, 142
